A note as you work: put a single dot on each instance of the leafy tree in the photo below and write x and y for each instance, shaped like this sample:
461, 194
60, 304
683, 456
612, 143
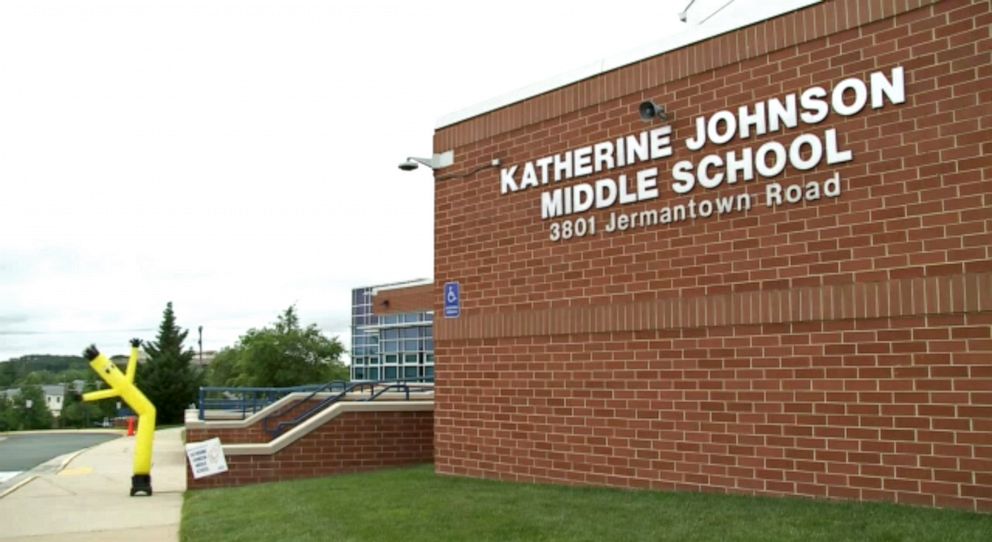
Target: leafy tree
8, 374
285, 354
38, 378
41, 369
70, 375
76, 413
35, 416
225, 368
106, 408
169, 379
6, 414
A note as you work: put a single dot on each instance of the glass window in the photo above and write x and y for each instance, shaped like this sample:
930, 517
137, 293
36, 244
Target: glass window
373, 373
391, 358
359, 373
410, 359
390, 373
429, 371
409, 372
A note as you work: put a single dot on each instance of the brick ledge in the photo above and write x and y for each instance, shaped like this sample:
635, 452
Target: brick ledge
948, 294
335, 410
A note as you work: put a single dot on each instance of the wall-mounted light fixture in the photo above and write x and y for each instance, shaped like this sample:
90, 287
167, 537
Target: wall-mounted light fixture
438, 161
684, 13
649, 111
441, 161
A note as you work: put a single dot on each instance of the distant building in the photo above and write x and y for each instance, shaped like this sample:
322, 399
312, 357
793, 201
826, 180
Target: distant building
54, 398
390, 341
54, 395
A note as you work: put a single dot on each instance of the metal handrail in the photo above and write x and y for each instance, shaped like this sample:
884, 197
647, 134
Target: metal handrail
332, 399
248, 400
329, 387
355, 387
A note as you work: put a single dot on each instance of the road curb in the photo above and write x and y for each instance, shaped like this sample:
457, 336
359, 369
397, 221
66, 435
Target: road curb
54, 465
68, 459
18, 485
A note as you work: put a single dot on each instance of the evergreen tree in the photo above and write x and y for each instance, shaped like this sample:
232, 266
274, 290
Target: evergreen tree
169, 379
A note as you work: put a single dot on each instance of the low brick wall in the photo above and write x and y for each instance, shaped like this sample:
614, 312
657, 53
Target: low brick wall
349, 441
246, 432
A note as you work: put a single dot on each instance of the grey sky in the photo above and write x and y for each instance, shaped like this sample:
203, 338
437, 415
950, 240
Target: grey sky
238, 157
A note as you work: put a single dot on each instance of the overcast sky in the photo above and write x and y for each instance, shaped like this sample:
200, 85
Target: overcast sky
239, 157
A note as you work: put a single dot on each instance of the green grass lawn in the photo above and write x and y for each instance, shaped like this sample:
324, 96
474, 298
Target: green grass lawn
413, 504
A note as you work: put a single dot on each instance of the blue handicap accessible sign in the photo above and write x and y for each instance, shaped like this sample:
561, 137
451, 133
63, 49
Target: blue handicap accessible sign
452, 300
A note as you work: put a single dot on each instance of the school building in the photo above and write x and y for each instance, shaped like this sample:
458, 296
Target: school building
754, 263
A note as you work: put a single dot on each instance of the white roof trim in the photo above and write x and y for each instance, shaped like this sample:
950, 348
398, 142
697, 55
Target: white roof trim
401, 285
693, 34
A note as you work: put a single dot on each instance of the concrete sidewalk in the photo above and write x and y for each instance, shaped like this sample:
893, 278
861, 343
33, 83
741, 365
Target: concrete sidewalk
84, 496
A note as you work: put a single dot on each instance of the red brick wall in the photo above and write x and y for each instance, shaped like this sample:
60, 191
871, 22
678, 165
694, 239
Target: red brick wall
399, 300
839, 348
351, 442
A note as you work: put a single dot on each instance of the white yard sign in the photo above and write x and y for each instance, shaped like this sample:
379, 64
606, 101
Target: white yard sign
206, 458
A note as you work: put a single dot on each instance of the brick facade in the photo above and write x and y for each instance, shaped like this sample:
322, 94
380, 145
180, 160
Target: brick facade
399, 300
840, 348
350, 442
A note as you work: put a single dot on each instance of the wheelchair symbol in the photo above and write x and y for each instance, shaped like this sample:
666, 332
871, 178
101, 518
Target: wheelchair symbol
452, 300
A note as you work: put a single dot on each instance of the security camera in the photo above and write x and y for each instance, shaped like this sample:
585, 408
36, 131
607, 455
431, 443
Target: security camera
649, 111
409, 165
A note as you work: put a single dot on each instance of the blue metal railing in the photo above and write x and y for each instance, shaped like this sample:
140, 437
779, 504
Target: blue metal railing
243, 402
406, 387
249, 400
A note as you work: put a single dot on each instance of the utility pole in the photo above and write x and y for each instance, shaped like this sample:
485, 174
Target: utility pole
200, 342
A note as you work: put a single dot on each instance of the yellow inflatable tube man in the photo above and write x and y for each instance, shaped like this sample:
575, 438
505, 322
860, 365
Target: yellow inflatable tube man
122, 385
